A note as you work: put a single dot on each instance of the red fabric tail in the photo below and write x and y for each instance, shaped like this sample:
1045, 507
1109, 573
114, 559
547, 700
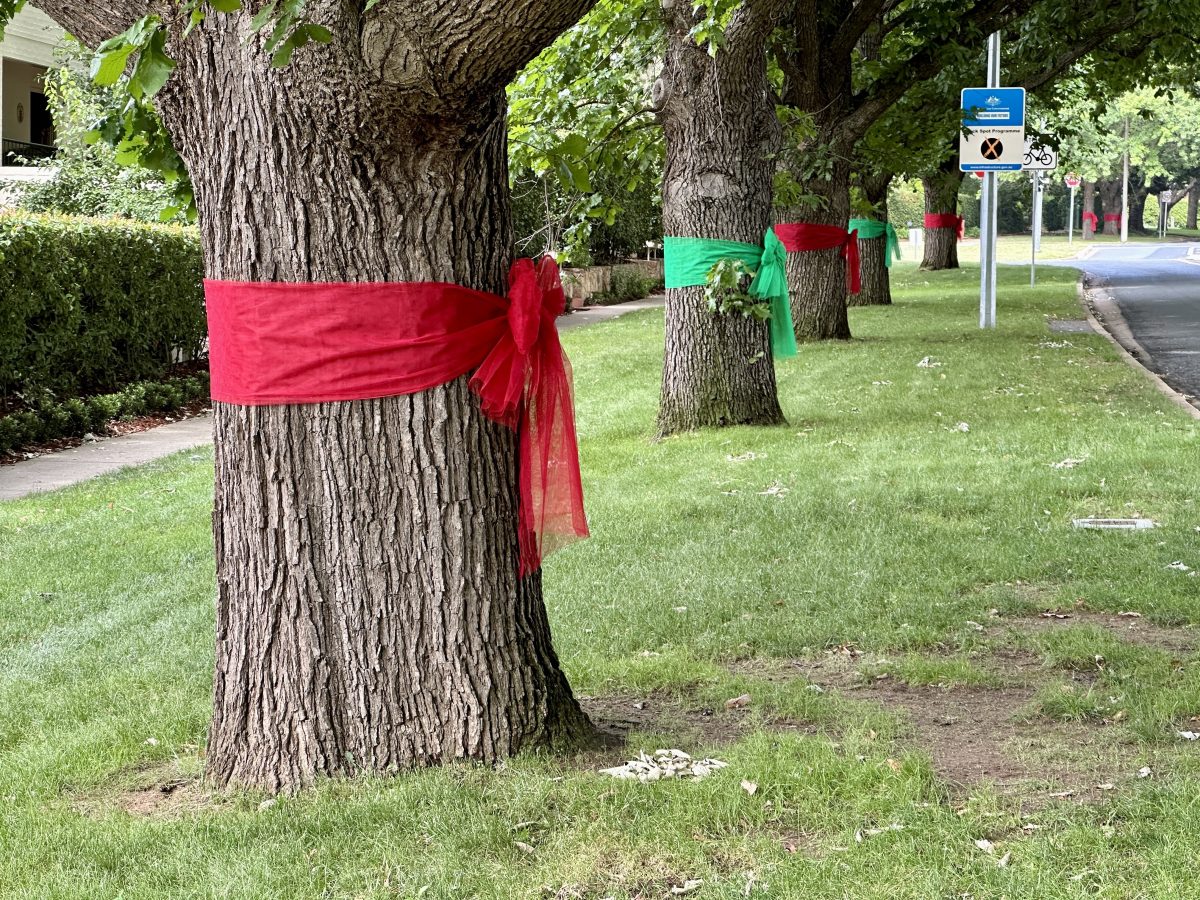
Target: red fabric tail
947, 220
798, 237
525, 382
853, 272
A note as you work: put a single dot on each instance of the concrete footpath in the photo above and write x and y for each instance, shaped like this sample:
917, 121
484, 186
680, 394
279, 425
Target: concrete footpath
55, 470
66, 467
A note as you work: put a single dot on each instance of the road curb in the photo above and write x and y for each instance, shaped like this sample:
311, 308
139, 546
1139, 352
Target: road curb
1104, 315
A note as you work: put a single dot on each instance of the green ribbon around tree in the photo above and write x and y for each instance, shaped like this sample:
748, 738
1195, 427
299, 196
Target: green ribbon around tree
686, 262
873, 228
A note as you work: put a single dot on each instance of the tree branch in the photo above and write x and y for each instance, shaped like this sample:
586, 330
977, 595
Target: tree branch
1046, 74
96, 21
869, 105
457, 47
862, 16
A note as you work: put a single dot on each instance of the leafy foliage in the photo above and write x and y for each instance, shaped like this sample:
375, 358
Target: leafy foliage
136, 62
8, 9
726, 291
50, 419
91, 305
582, 133
88, 180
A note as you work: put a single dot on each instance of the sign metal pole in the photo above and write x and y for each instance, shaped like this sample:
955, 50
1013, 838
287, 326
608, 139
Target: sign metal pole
988, 217
1071, 220
1125, 188
1034, 226
994, 184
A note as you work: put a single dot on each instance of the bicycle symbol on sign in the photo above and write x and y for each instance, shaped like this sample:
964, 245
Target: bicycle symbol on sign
1036, 154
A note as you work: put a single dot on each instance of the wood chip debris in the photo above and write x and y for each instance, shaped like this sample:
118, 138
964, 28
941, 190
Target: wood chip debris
864, 833
665, 764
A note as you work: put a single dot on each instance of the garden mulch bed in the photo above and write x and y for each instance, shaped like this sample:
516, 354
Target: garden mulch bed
115, 428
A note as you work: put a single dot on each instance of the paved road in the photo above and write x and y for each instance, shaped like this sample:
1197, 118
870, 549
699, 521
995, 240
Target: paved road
1157, 288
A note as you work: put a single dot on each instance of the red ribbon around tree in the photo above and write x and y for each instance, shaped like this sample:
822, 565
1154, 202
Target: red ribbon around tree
1112, 217
798, 237
276, 343
947, 220
1090, 216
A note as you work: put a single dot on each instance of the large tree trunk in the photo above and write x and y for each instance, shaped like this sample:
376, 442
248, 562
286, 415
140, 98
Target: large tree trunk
817, 278
1110, 199
876, 276
369, 612
1139, 190
1193, 205
941, 196
722, 135
820, 86
1089, 205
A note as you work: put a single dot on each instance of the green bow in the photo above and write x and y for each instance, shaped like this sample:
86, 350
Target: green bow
686, 262
873, 228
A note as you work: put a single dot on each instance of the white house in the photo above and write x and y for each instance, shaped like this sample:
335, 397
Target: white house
26, 126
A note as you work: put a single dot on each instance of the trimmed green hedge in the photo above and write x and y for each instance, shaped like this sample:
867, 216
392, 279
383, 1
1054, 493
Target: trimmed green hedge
78, 416
88, 306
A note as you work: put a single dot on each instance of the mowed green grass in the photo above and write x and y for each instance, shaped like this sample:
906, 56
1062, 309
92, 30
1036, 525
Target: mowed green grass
874, 518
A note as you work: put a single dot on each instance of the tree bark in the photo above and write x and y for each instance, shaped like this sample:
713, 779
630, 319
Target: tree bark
1110, 199
1139, 190
818, 83
941, 196
1089, 205
1193, 205
369, 612
722, 134
873, 252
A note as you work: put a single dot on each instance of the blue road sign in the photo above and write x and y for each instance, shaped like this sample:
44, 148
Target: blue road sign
995, 123
993, 107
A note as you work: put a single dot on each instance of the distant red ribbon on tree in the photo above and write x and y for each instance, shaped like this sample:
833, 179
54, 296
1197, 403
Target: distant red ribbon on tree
1090, 216
946, 220
1111, 217
799, 237
277, 343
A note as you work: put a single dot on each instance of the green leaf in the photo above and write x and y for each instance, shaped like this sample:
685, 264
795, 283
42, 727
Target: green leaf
108, 67
580, 177
262, 17
573, 145
154, 66
225, 6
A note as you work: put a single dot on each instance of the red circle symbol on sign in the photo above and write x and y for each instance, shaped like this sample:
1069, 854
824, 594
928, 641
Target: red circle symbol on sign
1072, 180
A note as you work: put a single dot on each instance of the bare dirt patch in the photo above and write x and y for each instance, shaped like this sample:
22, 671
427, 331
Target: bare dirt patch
1132, 629
169, 799
683, 722
984, 733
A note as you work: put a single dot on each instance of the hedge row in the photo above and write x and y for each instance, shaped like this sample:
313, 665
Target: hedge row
90, 305
76, 417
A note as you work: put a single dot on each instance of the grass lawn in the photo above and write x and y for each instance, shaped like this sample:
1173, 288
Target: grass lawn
875, 576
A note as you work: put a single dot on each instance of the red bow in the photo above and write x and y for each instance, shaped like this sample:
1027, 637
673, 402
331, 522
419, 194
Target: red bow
525, 381
947, 220
274, 342
802, 236
1091, 217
